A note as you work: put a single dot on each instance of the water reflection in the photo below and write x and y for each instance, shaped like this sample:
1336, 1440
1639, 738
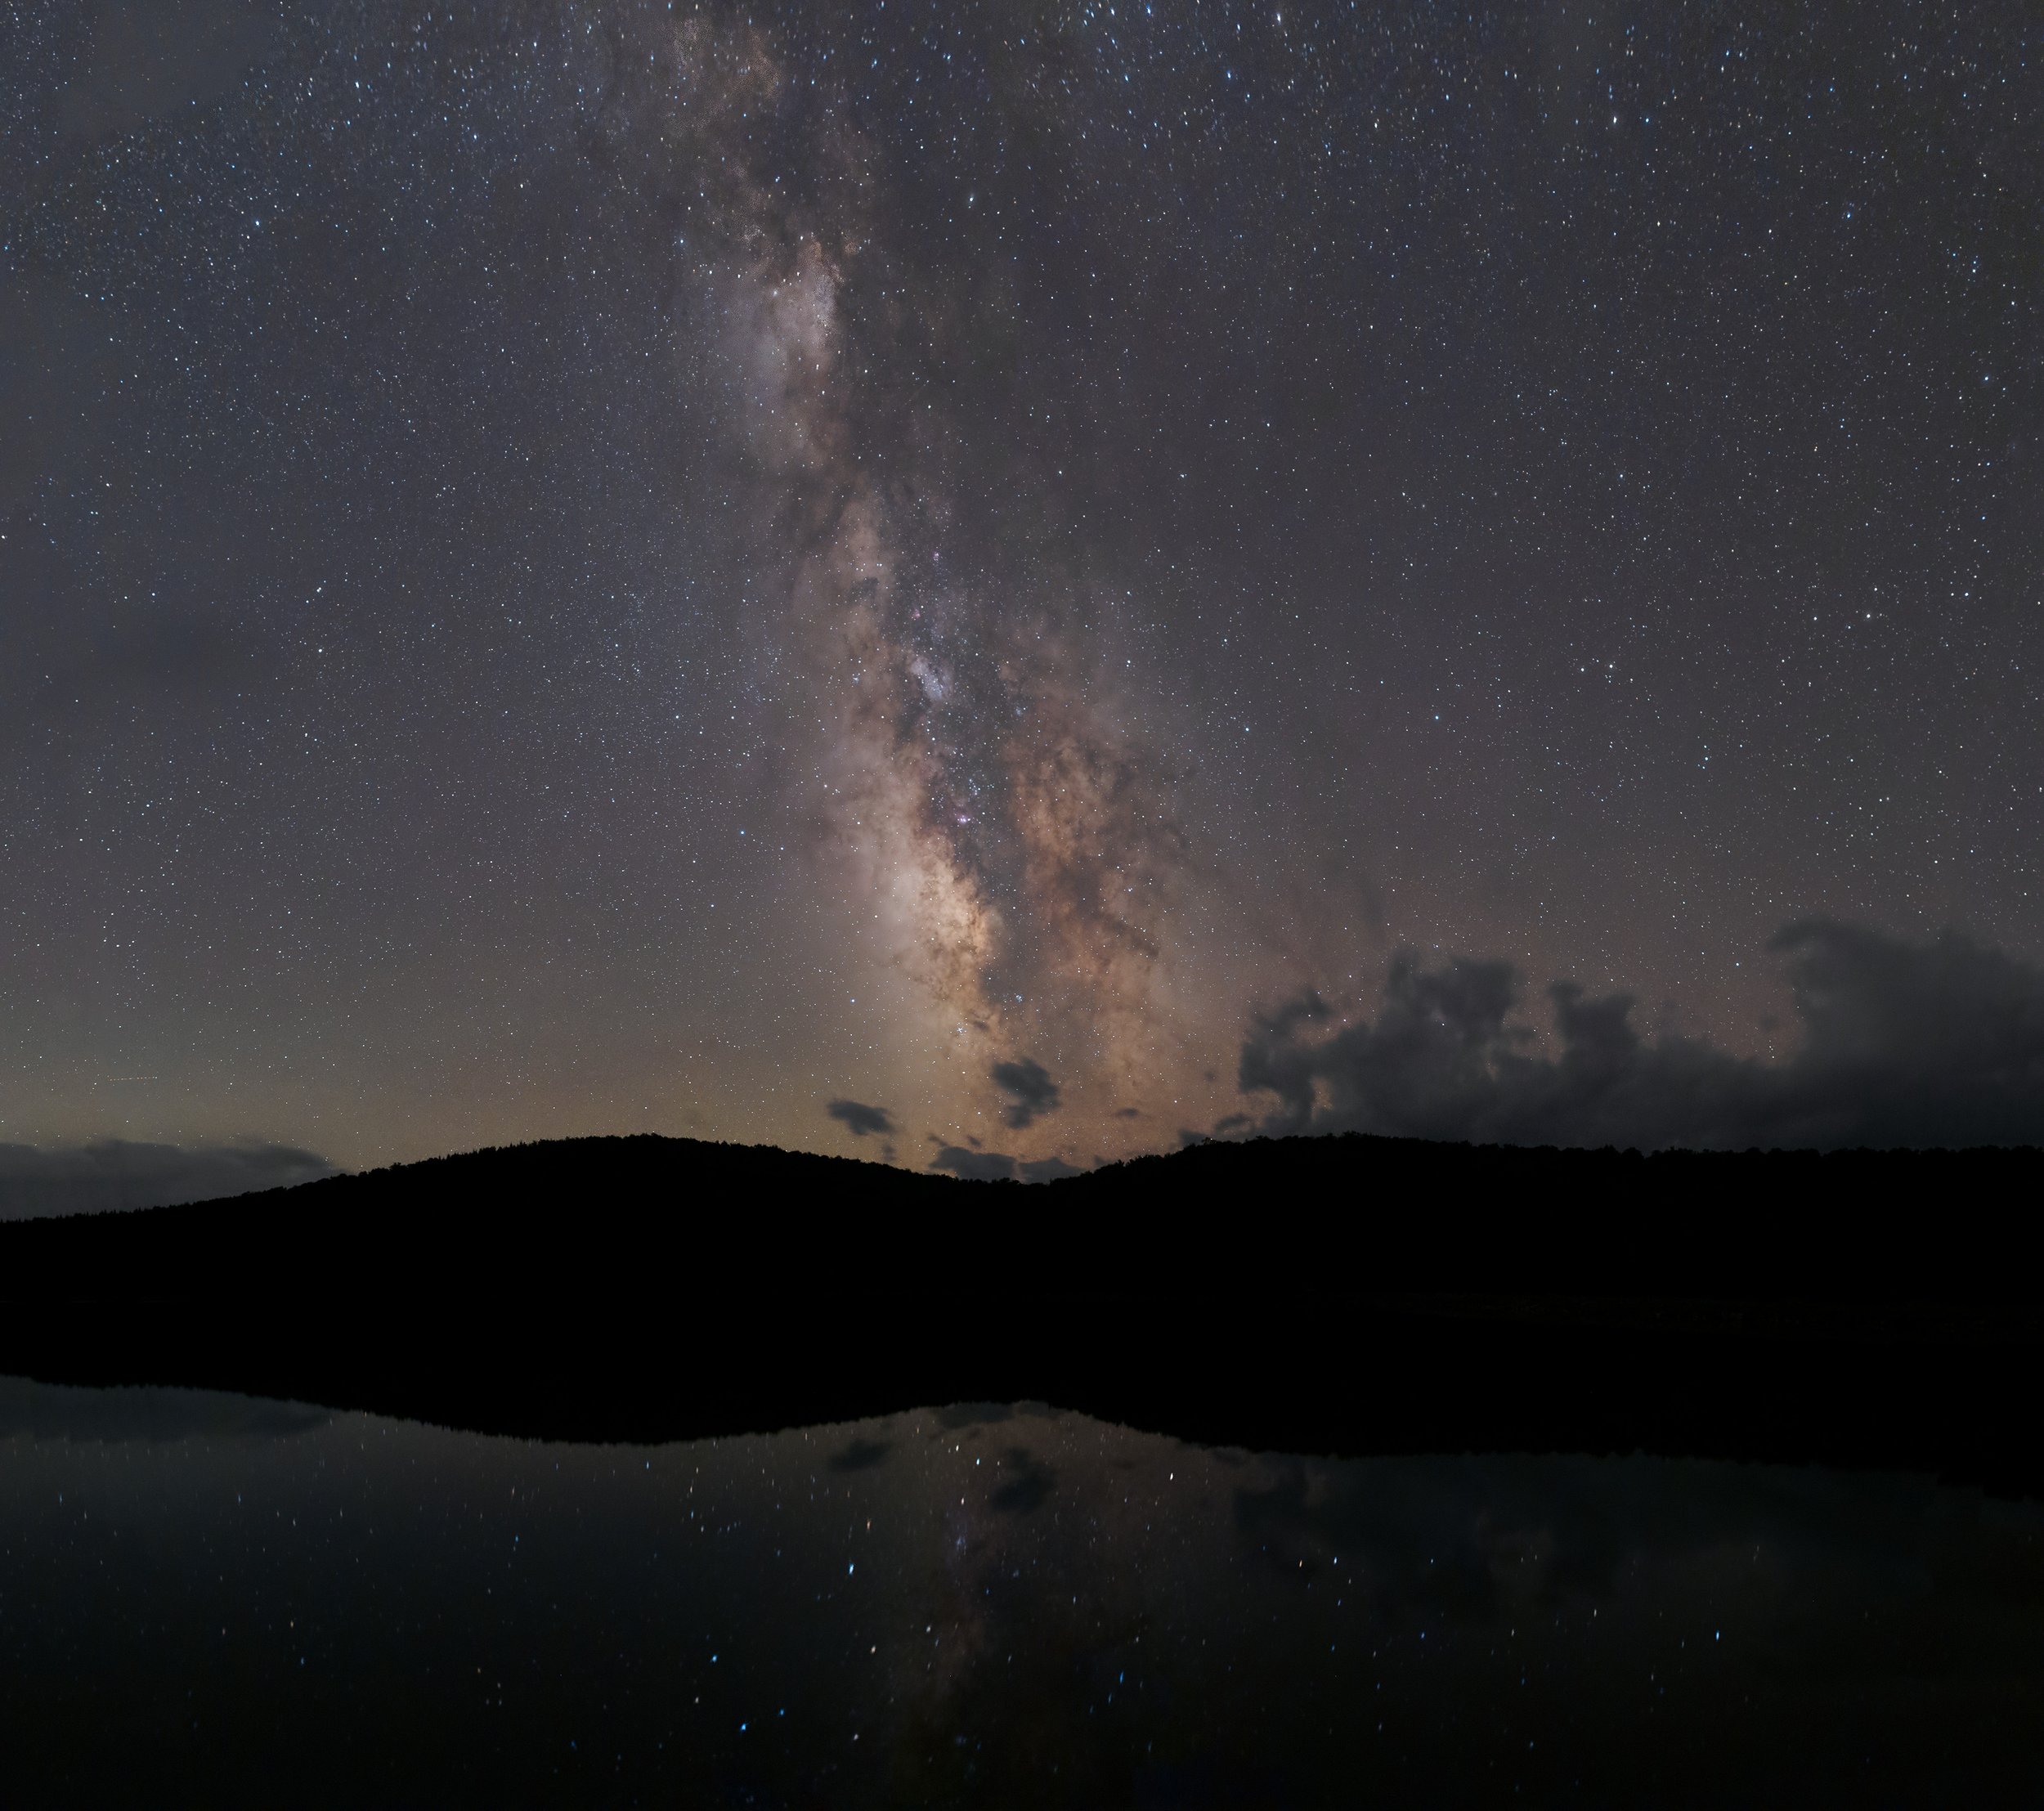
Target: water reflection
241, 1602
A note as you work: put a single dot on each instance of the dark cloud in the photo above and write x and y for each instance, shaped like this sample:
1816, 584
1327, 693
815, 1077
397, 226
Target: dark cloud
113, 1174
998, 1166
956, 1415
1939, 1043
1029, 1483
1447, 1537
859, 1119
1031, 1092
1046, 1169
974, 1166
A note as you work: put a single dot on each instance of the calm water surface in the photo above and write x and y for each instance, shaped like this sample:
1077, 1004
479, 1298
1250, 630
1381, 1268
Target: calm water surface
238, 1602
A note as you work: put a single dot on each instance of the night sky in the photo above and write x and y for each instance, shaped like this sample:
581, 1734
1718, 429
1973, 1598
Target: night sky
1005, 584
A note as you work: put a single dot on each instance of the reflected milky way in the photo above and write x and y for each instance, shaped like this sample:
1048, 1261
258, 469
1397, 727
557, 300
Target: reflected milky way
986, 1605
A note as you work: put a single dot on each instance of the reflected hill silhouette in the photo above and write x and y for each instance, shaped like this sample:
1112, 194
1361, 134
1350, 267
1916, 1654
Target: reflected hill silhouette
1344, 1294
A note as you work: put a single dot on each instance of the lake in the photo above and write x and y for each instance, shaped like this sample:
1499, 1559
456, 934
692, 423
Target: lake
215, 1599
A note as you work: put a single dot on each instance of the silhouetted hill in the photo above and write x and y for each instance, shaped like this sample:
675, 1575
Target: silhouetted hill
1354, 1294
1318, 1214
609, 1212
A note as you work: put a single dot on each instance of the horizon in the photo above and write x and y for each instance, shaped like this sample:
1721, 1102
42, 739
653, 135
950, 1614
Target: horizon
114, 1176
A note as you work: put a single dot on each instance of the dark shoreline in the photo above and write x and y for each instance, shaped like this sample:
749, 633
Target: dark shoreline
1352, 1297
1352, 1377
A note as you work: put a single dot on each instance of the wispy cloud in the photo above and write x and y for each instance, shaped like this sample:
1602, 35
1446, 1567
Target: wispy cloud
113, 1174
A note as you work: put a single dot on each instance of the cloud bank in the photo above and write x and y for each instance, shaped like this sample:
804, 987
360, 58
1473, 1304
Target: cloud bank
113, 1174
1904, 1043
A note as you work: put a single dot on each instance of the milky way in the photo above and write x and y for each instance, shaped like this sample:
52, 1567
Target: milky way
973, 776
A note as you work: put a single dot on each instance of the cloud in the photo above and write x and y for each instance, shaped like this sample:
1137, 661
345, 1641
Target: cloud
1046, 1169
113, 1174
974, 1166
998, 1166
1905, 1043
859, 1119
64, 1412
1030, 1483
1031, 1091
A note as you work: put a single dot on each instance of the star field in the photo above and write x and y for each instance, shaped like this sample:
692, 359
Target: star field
591, 567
